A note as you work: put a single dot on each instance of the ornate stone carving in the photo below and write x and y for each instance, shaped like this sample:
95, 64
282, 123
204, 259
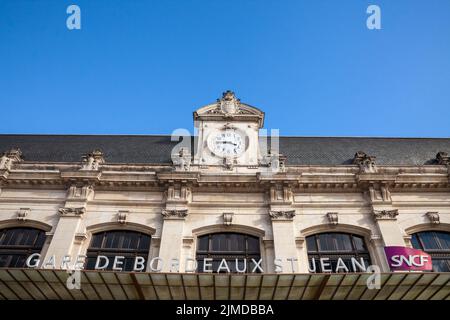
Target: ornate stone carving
282, 215
227, 218
174, 213
229, 104
92, 161
385, 214
182, 160
365, 162
379, 193
281, 194
79, 192
276, 161
433, 217
332, 218
229, 163
22, 214
72, 212
443, 158
8, 158
122, 216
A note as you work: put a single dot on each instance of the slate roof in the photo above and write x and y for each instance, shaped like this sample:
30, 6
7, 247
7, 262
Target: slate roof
156, 149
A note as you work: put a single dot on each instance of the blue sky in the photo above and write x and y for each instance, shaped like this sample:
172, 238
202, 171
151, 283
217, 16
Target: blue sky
142, 67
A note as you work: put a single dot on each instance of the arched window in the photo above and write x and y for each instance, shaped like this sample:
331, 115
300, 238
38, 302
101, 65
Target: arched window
128, 244
228, 247
436, 244
17, 244
337, 252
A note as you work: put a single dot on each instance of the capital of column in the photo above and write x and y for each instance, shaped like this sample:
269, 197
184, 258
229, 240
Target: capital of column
283, 215
174, 214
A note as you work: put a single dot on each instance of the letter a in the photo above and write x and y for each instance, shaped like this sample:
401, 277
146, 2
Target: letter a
74, 20
374, 20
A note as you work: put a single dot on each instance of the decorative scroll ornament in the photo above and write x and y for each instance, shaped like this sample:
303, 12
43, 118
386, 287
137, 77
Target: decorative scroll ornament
72, 212
433, 217
174, 213
227, 218
92, 161
282, 215
22, 214
385, 214
8, 158
122, 216
229, 104
365, 162
332, 218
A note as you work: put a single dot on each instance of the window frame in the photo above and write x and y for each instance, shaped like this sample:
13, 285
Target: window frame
247, 254
94, 252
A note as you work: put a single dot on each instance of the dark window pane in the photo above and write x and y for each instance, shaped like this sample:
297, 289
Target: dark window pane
359, 243
444, 240
203, 243
311, 243
429, 240
253, 244
415, 242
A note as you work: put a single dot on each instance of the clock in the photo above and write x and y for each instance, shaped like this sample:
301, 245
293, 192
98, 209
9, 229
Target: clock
226, 143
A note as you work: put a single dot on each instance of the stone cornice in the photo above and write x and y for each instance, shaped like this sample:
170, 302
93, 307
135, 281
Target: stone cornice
298, 177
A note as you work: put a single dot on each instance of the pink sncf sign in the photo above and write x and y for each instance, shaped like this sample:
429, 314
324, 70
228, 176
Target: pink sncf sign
407, 259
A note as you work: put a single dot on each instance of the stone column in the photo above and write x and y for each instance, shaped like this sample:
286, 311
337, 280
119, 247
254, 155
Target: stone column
70, 231
172, 239
284, 240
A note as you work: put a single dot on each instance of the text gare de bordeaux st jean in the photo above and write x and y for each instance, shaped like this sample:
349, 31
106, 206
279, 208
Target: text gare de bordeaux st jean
156, 264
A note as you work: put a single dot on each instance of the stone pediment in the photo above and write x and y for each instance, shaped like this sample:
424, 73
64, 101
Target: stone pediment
229, 108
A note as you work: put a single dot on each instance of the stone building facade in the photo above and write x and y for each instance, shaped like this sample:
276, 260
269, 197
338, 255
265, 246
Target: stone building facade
228, 178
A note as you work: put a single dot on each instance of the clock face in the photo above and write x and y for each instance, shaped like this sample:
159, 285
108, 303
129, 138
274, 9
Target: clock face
226, 143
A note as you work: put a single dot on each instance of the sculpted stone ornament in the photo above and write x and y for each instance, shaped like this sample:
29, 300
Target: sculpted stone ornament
22, 214
174, 214
227, 218
276, 161
332, 218
229, 104
229, 163
282, 215
122, 216
385, 214
433, 217
10, 157
72, 212
366, 163
183, 160
92, 161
